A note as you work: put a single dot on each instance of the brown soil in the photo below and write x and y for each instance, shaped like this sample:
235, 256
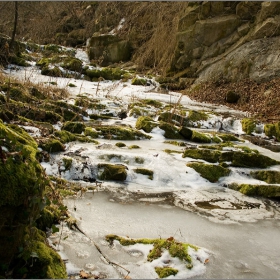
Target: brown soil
262, 100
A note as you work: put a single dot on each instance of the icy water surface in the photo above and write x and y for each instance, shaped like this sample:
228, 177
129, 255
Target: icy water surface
237, 251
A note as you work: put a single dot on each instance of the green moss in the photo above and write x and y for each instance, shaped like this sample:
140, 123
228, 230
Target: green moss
232, 96
134, 147
67, 163
106, 73
52, 48
71, 85
199, 137
240, 159
138, 81
248, 125
53, 72
210, 172
152, 102
145, 171
84, 101
145, 123
269, 191
168, 151
164, 272
272, 130
269, 176
176, 249
120, 133
52, 145
73, 64
89, 131
186, 133
74, 127
176, 143
120, 145
173, 118
195, 116
139, 160
170, 131
65, 136
207, 155
112, 172
228, 137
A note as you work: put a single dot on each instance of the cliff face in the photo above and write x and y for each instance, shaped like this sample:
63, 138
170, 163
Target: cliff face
229, 40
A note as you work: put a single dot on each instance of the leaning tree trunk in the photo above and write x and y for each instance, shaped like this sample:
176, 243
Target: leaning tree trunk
15, 25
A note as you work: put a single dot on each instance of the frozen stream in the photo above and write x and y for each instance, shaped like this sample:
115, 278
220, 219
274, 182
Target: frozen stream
239, 251
239, 234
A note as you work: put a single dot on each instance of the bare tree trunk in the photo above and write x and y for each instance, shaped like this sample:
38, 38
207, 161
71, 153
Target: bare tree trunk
15, 25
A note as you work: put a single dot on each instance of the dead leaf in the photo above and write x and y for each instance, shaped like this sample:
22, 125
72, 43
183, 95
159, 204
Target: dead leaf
206, 261
84, 275
127, 277
170, 238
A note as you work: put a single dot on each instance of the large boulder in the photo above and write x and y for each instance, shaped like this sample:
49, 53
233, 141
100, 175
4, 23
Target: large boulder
108, 49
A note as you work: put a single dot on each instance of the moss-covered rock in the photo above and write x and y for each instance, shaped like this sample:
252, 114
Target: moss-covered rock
196, 116
145, 123
105, 73
144, 171
205, 154
186, 133
248, 125
269, 191
53, 72
73, 64
232, 97
133, 147
199, 137
52, 145
241, 159
89, 131
112, 172
138, 81
272, 130
120, 133
227, 137
74, 127
22, 184
170, 131
269, 176
120, 144
208, 171
173, 118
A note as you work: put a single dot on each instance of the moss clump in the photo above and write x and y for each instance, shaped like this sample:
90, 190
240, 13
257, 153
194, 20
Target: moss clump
199, 137
207, 155
176, 249
53, 72
196, 116
73, 64
269, 176
91, 132
232, 97
208, 171
112, 172
272, 130
105, 73
139, 160
74, 127
170, 131
248, 125
173, 118
240, 159
228, 137
145, 171
52, 145
134, 147
120, 145
84, 101
67, 163
176, 143
186, 133
269, 191
145, 123
152, 102
22, 184
164, 272
168, 151
120, 133
138, 82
